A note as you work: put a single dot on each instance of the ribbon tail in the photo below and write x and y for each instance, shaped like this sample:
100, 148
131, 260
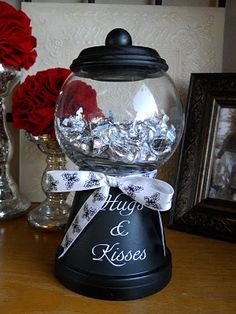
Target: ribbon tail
158, 209
162, 234
151, 193
85, 214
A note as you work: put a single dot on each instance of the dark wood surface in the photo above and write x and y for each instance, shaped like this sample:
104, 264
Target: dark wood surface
203, 281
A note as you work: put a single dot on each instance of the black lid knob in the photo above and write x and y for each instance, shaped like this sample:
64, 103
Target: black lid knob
118, 37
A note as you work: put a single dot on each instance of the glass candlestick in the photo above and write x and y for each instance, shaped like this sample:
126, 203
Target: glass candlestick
12, 204
53, 212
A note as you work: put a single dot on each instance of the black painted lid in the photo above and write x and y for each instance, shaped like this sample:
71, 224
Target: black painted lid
118, 58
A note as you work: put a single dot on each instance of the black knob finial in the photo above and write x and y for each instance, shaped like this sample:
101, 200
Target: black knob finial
118, 37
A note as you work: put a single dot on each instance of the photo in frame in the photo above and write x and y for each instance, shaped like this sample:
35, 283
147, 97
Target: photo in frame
205, 198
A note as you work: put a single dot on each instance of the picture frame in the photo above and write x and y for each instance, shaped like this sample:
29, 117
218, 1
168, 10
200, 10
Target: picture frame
205, 190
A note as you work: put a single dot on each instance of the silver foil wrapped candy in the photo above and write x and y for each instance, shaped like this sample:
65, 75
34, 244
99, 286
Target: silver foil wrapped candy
129, 142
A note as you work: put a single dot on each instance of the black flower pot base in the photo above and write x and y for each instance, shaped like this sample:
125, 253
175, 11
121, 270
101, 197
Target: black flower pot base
119, 255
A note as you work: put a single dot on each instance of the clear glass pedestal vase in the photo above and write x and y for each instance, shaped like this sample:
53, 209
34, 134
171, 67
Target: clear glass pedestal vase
12, 203
52, 213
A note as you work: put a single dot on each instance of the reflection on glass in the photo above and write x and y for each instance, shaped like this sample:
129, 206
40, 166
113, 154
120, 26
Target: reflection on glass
223, 178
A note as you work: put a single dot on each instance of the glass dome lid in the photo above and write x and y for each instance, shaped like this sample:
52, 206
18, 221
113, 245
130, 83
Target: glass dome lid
119, 111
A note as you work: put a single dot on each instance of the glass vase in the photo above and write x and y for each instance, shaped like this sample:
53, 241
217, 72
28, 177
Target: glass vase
12, 204
53, 212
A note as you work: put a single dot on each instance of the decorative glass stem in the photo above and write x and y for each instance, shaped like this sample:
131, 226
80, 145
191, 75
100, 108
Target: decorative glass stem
53, 212
12, 204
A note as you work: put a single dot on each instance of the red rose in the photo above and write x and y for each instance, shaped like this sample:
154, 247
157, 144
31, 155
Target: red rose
33, 102
79, 94
16, 41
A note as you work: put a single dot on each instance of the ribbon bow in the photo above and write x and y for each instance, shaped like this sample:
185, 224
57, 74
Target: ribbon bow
152, 193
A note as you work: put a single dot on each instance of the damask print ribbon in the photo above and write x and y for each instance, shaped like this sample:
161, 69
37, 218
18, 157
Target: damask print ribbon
152, 193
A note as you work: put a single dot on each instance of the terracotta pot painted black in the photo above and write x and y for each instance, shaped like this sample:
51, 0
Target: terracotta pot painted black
119, 255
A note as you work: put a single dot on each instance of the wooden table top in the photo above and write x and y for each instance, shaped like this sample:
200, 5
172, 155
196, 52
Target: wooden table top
203, 280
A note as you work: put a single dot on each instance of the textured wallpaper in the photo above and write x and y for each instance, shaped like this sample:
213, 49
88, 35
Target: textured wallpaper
189, 38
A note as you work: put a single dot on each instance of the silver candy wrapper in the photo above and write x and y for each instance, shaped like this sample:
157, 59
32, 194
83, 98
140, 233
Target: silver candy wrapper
130, 142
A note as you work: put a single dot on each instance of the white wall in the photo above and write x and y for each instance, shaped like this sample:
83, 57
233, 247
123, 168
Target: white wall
164, 2
229, 60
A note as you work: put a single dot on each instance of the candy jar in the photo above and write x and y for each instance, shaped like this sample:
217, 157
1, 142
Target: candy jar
118, 118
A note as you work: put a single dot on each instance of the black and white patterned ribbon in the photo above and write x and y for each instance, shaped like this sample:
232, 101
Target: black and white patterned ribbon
152, 193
